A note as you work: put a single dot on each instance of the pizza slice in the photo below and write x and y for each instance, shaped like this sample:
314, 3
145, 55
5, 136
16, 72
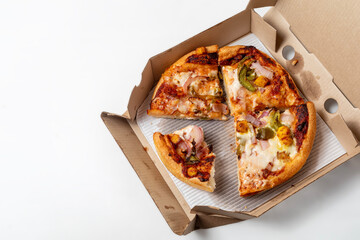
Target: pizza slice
187, 156
272, 145
190, 88
254, 81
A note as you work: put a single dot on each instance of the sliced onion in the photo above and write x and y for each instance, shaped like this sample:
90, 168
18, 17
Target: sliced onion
220, 107
264, 144
264, 114
253, 140
254, 121
202, 152
196, 134
262, 71
185, 146
189, 81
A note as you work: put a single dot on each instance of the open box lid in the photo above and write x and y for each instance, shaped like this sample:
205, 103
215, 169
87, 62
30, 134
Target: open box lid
331, 31
327, 33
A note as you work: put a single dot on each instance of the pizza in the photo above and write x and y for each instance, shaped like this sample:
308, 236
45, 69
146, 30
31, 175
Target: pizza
274, 126
191, 88
272, 145
187, 156
254, 81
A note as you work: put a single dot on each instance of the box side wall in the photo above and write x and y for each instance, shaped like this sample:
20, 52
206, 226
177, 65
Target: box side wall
167, 203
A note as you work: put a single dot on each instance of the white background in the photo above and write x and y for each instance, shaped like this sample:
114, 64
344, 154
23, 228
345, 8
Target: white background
62, 176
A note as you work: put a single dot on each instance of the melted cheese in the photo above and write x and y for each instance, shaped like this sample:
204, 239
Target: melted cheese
213, 74
254, 159
233, 83
180, 78
184, 131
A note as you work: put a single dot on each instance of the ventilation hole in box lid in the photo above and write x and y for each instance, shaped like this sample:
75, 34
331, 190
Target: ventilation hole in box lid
288, 52
331, 105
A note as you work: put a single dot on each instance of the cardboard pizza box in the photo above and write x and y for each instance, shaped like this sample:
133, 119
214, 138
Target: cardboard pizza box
319, 49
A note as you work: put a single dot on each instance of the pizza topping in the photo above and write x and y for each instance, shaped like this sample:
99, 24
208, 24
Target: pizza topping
284, 135
243, 60
184, 106
175, 139
200, 50
275, 120
192, 134
192, 171
184, 147
286, 117
236, 90
203, 86
284, 156
256, 122
264, 144
242, 126
261, 81
265, 133
202, 152
181, 78
192, 160
244, 81
193, 79
265, 113
220, 107
251, 75
187, 83
262, 71
198, 104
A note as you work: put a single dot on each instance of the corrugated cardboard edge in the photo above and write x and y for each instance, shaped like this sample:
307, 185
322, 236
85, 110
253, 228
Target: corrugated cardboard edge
174, 214
180, 219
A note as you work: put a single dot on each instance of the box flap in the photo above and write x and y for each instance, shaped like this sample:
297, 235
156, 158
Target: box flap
331, 31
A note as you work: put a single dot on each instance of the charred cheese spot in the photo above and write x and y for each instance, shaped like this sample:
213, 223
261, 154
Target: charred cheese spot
204, 58
301, 126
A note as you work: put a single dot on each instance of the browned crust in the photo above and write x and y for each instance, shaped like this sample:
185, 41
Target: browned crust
182, 60
177, 115
168, 72
282, 81
229, 52
176, 169
295, 164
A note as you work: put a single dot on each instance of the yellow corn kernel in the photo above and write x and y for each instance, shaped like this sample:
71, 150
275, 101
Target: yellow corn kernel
284, 135
261, 81
200, 50
175, 138
192, 171
242, 126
